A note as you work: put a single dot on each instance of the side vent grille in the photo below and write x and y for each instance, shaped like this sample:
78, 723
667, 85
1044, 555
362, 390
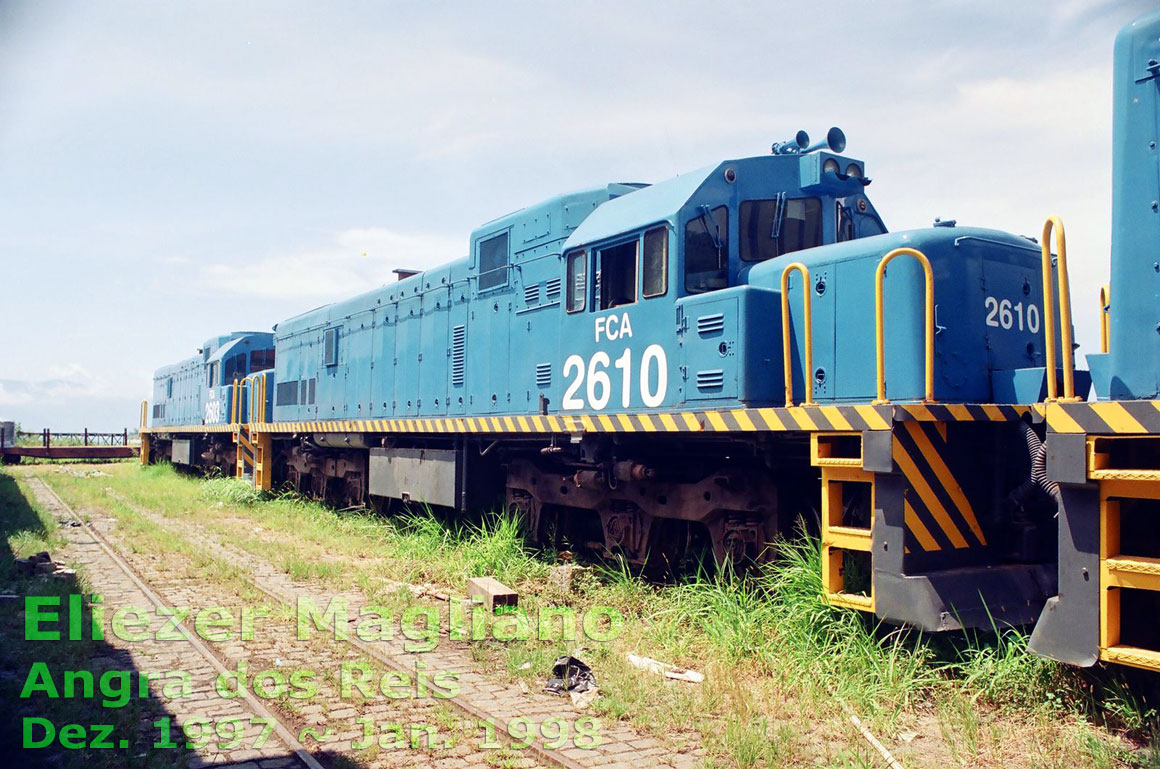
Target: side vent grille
543, 375
458, 354
532, 294
711, 324
711, 379
552, 288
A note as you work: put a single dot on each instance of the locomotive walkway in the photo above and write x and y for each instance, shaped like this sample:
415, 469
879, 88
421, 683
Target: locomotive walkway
480, 699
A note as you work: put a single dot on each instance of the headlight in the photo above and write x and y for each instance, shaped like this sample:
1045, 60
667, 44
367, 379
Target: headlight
830, 165
854, 171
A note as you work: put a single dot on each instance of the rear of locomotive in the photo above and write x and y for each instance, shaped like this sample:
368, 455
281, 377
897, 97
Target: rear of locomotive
999, 494
914, 360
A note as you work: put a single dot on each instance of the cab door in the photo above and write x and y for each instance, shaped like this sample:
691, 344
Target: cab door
619, 328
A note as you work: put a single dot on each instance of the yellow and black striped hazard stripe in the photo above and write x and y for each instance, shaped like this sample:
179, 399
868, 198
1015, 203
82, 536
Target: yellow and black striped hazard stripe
842, 418
961, 412
794, 419
1104, 417
937, 512
189, 429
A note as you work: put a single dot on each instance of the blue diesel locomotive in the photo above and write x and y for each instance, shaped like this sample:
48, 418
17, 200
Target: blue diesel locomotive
661, 371
201, 390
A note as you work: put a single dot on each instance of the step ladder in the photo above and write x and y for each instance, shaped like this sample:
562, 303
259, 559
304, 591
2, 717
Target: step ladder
839, 456
1122, 482
254, 446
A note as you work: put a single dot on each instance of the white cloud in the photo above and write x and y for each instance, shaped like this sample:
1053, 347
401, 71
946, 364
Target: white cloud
62, 382
354, 261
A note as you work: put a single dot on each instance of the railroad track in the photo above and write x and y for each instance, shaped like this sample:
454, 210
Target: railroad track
255, 707
481, 702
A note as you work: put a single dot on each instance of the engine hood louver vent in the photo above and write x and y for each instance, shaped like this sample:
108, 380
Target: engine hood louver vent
458, 355
711, 324
710, 379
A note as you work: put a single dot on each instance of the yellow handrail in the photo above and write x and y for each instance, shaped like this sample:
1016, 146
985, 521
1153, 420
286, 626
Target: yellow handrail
1105, 317
144, 413
928, 323
809, 356
1064, 311
234, 403
258, 399
251, 382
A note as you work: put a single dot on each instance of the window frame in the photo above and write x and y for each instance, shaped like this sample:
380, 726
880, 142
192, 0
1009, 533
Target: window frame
507, 262
663, 228
619, 242
261, 359
778, 252
573, 256
727, 245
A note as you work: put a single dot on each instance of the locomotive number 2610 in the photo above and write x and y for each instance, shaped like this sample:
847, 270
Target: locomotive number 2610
654, 378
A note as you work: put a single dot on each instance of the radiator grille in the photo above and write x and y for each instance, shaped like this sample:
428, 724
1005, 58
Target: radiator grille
458, 354
532, 294
552, 288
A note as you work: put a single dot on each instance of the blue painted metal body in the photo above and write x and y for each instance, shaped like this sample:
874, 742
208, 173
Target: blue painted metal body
503, 333
199, 390
1131, 369
989, 337
438, 343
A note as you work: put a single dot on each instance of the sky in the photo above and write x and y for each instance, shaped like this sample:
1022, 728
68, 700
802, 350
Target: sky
171, 171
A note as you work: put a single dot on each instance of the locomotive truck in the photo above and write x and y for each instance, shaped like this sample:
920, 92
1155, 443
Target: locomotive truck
663, 371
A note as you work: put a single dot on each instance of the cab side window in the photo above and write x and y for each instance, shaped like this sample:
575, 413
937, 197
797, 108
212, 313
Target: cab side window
656, 261
235, 367
576, 283
617, 277
707, 251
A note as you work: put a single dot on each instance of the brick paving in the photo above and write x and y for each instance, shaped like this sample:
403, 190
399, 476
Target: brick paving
151, 655
275, 642
428, 736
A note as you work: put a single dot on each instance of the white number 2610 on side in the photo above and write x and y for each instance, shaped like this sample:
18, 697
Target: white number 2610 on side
1002, 314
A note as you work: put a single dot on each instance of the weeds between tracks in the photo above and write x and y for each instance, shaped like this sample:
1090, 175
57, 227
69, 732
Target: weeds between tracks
778, 660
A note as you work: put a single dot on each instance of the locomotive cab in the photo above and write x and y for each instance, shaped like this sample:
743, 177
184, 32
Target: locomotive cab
725, 219
691, 242
757, 209
228, 361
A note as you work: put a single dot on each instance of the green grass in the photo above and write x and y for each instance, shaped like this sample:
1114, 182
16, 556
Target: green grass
26, 528
778, 661
231, 491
